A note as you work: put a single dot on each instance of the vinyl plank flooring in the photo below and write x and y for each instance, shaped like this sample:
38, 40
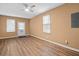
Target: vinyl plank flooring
31, 46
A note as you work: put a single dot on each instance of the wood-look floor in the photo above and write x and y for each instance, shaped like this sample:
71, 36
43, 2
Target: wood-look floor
30, 46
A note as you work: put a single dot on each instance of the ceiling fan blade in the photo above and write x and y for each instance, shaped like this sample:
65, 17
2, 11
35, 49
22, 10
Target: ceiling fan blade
31, 10
25, 5
33, 6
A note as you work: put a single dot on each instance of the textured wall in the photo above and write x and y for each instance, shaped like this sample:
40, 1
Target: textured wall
61, 30
3, 20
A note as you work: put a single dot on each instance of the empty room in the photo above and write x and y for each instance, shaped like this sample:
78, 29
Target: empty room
39, 29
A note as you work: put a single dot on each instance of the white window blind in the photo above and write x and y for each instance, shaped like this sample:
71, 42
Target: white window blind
10, 25
46, 24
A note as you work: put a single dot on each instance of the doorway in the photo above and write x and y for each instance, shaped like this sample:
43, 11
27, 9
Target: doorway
21, 29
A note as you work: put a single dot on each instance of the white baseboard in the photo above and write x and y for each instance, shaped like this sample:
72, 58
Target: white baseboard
23, 35
68, 47
8, 37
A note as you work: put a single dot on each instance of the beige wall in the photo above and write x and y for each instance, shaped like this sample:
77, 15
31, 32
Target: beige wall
60, 25
3, 20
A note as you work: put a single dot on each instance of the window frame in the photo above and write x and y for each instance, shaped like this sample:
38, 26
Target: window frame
11, 26
45, 23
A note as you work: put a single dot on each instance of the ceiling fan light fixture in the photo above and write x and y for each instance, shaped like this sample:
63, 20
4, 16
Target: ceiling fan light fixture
27, 9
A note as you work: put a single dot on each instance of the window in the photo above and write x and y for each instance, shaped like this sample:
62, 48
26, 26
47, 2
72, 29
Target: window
75, 20
46, 24
10, 25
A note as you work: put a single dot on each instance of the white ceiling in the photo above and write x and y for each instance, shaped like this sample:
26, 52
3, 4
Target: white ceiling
17, 9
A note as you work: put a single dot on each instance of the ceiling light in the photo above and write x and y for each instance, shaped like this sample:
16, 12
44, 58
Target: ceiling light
27, 9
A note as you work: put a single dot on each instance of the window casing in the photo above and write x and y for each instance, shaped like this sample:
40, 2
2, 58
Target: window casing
10, 25
46, 24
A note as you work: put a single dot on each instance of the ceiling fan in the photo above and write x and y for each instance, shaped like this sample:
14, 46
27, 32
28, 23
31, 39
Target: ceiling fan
29, 8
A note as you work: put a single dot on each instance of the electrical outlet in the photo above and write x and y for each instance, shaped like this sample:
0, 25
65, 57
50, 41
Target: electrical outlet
66, 41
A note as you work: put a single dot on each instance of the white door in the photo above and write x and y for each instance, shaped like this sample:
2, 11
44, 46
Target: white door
21, 29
